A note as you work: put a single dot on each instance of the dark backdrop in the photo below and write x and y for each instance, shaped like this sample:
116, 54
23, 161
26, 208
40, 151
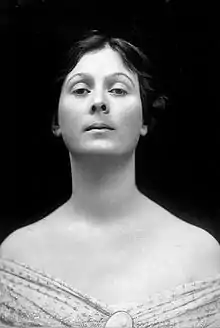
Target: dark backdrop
177, 164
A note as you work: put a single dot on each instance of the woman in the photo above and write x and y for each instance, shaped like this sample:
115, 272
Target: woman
109, 256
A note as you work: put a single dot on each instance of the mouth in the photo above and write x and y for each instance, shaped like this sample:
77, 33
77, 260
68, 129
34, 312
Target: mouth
99, 127
99, 130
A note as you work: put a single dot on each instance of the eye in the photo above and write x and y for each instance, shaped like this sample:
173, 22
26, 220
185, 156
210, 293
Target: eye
81, 91
118, 91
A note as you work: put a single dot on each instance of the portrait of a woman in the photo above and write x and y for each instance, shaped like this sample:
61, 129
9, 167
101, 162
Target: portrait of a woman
109, 256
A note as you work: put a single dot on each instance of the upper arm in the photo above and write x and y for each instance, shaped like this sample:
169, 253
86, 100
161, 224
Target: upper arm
206, 255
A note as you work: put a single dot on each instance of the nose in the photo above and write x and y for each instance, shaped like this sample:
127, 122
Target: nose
100, 107
99, 103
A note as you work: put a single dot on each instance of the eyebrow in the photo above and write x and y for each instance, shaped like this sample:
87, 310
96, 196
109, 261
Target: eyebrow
89, 76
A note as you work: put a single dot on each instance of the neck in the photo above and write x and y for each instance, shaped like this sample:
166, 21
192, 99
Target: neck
104, 187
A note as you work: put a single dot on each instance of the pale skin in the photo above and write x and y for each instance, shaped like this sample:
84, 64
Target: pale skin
103, 166
128, 246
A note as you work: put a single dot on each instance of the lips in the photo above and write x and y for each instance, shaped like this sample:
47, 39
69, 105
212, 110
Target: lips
99, 126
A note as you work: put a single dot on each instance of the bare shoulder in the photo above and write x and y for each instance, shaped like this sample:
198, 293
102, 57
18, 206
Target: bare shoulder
205, 253
202, 249
14, 244
25, 242
190, 232
198, 246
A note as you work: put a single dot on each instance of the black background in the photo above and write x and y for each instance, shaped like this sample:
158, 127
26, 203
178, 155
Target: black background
177, 164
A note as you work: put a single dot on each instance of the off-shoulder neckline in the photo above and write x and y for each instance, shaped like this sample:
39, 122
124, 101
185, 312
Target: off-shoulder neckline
186, 287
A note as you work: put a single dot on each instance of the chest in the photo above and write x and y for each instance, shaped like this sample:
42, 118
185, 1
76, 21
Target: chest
127, 275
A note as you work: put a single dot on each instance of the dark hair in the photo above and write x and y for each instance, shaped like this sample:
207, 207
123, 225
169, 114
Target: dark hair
133, 58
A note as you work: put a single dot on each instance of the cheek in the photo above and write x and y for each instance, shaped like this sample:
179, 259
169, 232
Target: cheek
131, 119
68, 118
69, 125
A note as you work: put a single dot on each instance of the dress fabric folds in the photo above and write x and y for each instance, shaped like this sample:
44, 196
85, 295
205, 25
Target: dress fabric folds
32, 298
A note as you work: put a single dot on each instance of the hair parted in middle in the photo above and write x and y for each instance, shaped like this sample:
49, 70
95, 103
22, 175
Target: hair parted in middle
133, 58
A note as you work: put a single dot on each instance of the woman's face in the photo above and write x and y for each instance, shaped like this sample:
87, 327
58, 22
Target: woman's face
100, 77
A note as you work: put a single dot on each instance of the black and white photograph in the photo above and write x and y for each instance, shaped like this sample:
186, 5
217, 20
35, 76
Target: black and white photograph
110, 206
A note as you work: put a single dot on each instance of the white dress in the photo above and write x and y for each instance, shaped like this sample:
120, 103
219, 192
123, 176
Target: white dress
32, 298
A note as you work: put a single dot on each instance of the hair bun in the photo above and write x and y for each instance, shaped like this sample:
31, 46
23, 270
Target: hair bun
160, 102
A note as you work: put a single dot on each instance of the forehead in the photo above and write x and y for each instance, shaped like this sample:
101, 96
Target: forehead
102, 63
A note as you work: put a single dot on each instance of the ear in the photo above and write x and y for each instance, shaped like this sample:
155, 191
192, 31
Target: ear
55, 125
56, 130
144, 130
